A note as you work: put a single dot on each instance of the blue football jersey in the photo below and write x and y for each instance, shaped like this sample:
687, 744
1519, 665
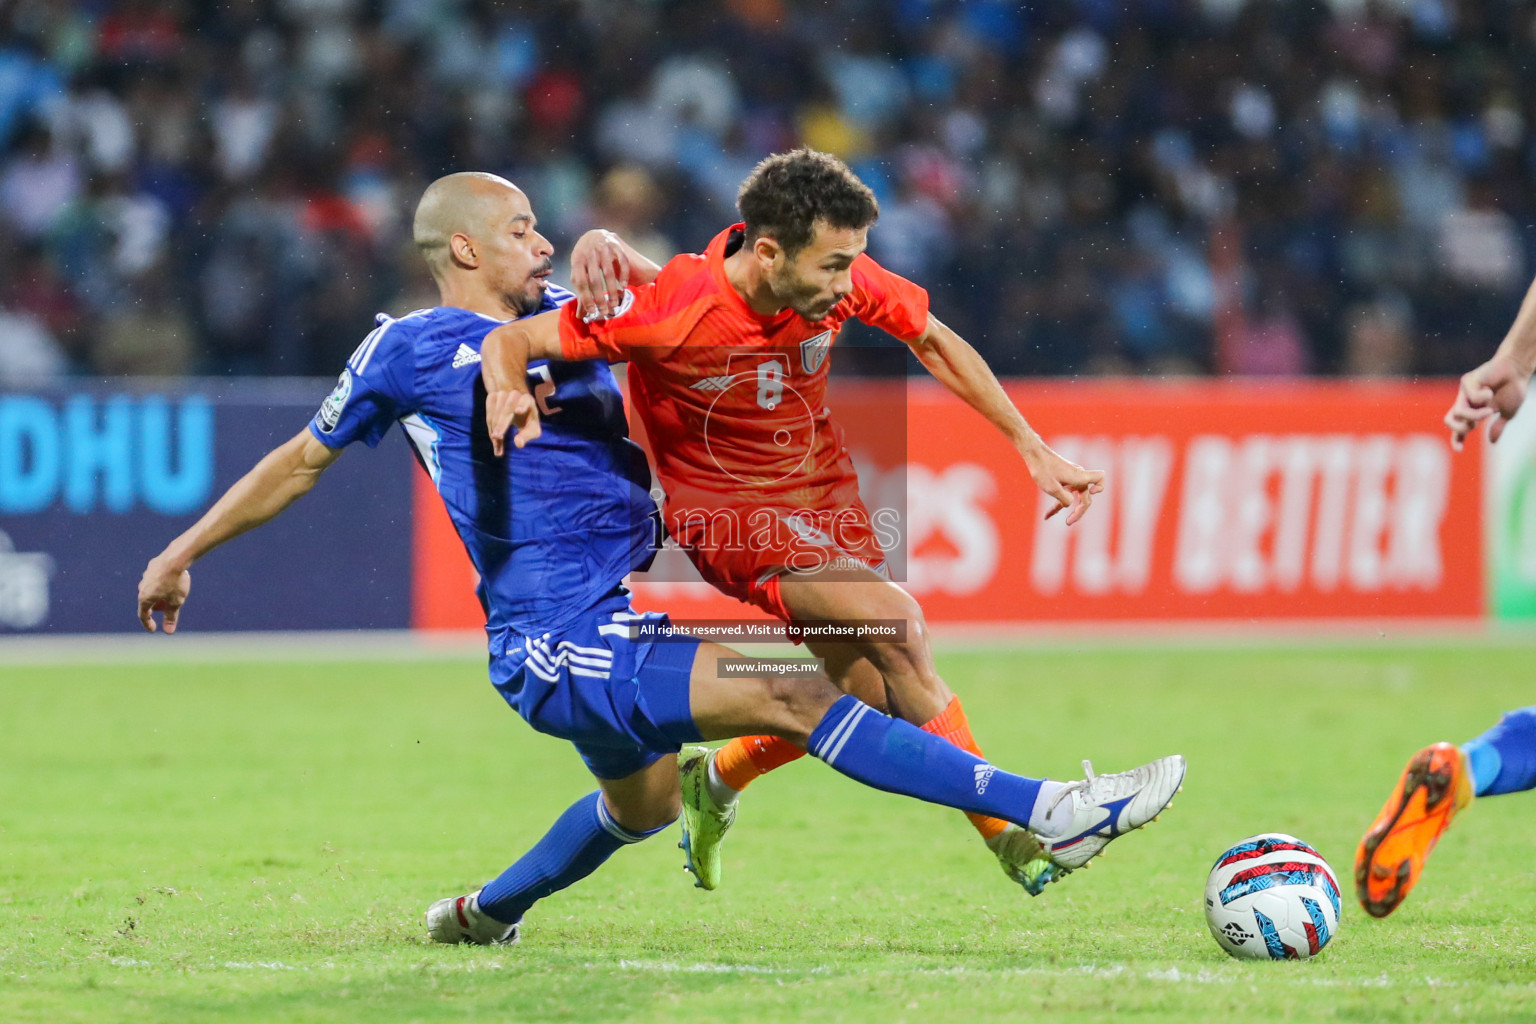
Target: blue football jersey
552, 527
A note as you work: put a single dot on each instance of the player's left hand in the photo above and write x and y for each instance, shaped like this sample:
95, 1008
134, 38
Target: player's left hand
1071, 485
511, 410
600, 271
163, 588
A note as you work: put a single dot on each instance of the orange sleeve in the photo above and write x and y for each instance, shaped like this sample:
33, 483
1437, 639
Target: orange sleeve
656, 315
888, 301
609, 339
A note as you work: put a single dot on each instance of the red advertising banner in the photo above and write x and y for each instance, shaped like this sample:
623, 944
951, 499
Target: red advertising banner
1295, 500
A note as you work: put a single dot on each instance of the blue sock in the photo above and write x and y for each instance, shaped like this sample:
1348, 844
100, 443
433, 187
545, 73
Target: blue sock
580, 840
1503, 759
898, 757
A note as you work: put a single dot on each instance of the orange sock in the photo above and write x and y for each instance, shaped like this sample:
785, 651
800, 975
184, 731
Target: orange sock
746, 757
951, 724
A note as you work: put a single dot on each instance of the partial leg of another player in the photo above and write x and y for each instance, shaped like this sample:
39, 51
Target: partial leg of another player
845, 733
1438, 782
902, 673
1079, 818
712, 780
619, 813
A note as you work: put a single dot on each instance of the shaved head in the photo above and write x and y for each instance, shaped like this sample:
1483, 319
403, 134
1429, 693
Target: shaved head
467, 203
479, 237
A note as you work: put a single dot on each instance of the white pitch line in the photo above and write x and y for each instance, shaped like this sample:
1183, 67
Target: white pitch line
949, 638
191, 646
1300, 634
1168, 975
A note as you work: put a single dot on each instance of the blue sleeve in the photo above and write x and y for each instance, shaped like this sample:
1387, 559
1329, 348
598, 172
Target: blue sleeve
554, 297
376, 388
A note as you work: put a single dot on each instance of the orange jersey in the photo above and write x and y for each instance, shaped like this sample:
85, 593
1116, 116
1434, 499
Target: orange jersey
735, 402
757, 478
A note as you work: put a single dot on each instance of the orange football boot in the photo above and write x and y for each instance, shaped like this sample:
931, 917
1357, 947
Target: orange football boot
1435, 785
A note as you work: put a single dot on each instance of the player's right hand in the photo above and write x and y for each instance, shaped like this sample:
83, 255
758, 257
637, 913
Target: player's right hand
163, 588
600, 271
1494, 390
511, 410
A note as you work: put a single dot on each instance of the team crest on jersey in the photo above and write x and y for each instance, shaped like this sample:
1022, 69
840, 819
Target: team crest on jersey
813, 351
330, 409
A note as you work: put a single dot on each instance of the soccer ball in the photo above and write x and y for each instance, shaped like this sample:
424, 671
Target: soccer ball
1272, 897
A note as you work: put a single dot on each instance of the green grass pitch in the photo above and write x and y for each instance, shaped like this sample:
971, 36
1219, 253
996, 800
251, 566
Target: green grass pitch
258, 842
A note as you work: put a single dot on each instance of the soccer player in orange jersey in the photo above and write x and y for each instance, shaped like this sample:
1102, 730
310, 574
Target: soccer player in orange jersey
728, 374
1440, 781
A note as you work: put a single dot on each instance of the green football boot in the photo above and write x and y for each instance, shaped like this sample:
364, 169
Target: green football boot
1024, 860
704, 821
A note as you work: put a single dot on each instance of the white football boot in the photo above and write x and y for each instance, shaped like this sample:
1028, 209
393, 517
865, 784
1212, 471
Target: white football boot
1085, 815
460, 919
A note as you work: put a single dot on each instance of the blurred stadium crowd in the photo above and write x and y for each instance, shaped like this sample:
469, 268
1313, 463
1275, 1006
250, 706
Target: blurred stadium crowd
1086, 186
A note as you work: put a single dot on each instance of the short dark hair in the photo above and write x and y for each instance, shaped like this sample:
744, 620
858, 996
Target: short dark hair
788, 193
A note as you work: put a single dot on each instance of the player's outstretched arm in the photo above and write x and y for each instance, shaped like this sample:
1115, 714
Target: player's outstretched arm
1497, 388
504, 357
960, 368
602, 266
277, 481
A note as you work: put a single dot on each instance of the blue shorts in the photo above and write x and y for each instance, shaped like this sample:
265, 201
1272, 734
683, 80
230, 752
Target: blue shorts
622, 702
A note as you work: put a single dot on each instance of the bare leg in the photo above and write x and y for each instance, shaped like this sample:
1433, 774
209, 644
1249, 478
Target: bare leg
646, 800
916, 691
911, 682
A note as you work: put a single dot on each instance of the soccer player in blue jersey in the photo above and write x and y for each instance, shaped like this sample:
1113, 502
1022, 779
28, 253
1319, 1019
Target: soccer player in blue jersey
553, 527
